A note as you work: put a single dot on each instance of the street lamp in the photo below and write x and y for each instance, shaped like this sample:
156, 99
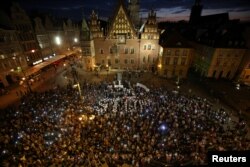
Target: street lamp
79, 88
159, 68
107, 66
25, 78
58, 40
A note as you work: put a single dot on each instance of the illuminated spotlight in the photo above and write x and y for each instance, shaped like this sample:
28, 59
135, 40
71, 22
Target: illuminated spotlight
163, 128
33, 51
75, 40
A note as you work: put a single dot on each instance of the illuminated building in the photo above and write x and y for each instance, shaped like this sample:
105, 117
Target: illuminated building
121, 46
218, 53
175, 55
25, 34
11, 57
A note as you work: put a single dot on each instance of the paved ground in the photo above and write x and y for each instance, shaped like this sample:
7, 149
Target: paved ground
222, 94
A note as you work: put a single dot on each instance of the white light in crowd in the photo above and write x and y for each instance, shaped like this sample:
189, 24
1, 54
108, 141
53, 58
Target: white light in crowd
75, 40
163, 127
237, 86
58, 40
33, 51
91, 117
12, 70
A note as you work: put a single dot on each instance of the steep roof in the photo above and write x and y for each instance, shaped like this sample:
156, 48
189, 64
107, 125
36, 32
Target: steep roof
84, 25
213, 20
5, 21
121, 11
173, 39
225, 38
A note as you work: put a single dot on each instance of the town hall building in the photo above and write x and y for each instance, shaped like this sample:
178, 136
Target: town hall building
124, 44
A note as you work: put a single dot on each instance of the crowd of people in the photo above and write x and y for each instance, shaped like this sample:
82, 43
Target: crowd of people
115, 126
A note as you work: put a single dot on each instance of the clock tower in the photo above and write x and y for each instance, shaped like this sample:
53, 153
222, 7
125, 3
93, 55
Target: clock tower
195, 12
133, 10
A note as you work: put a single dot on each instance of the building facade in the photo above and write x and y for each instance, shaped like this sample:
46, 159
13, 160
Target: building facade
87, 46
122, 47
245, 70
12, 60
71, 34
218, 61
26, 35
43, 39
176, 56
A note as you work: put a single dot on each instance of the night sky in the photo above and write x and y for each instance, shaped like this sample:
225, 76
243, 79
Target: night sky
167, 10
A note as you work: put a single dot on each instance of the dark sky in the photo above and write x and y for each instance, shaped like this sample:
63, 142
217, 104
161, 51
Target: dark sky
167, 10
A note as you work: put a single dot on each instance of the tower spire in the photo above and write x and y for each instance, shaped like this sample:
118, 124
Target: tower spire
196, 12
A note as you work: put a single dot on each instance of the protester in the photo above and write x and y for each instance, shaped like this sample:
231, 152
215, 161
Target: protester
115, 126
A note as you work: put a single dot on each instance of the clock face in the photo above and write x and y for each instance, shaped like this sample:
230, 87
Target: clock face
121, 39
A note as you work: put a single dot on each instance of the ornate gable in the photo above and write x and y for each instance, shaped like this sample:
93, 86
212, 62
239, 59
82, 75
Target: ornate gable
121, 25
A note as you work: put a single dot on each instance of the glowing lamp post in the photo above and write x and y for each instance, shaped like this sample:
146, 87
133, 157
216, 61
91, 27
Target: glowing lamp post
107, 66
159, 68
58, 40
